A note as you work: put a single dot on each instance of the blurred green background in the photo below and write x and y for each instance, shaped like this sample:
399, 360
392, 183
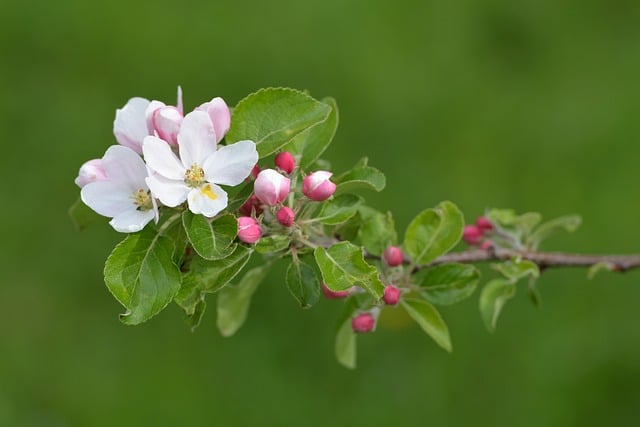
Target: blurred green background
532, 105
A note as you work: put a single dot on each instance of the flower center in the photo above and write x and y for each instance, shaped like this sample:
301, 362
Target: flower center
142, 200
194, 176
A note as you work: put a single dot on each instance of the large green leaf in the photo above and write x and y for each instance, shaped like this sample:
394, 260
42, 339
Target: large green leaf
141, 275
493, 298
429, 320
343, 266
310, 144
377, 231
360, 176
272, 117
434, 232
234, 301
212, 240
303, 283
339, 209
448, 283
206, 276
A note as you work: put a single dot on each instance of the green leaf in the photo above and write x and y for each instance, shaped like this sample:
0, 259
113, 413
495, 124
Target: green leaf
360, 176
272, 244
234, 301
310, 144
141, 275
83, 216
194, 319
343, 266
515, 270
429, 320
303, 283
448, 283
345, 346
378, 230
568, 223
598, 267
209, 276
493, 298
273, 117
241, 195
212, 240
339, 209
434, 232
349, 229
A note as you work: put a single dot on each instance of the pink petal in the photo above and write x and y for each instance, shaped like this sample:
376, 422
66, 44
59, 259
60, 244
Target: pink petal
148, 114
219, 114
166, 123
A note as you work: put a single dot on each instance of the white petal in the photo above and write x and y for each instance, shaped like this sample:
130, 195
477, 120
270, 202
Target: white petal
179, 101
231, 164
130, 125
132, 220
207, 200
108, 198
197, 138
161, 159
125, 166
170, 192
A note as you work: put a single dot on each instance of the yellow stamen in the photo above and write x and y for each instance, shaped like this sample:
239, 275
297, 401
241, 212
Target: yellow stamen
207, 191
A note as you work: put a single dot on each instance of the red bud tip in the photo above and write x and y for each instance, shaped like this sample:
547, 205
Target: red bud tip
471, 234
363, 323
392, 256
285, 216
251, 205
391, 295
329, 294
484, 224
285, 162
255, 171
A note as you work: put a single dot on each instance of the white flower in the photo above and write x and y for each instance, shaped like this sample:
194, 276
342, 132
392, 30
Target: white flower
201, 165
124, 195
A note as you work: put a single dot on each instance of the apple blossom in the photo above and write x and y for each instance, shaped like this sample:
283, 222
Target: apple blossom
317, 186
285, 216
249, 230
285, 162
90, 171
220, 116
363, 323
391, 295
271, 187
201, 166
124, 194
392, 256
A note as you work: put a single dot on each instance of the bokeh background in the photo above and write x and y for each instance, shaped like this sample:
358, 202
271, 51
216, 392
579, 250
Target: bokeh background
532, 105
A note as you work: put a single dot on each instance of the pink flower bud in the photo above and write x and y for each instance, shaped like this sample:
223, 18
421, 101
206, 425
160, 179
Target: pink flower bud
317, 186
285, 216
363, 323
270, 187
166, 123
484, 224
249, 230
255, 171
486, 245
391, 295
251, 205
285, 162
392, 256
152, 107
329, 294
90, 171
219, 114
471, 234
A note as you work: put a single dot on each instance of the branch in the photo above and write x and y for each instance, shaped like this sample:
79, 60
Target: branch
544, 260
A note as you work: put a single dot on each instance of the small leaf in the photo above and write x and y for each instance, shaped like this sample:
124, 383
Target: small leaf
493, 298
339, 209
434, 232
303, 284
345, 346
448, 283
234, 301
212, 240
598, 267
83, 216
360, 176
272, 244
141, 275
515, 270
241, 195
377, 231
429, 320
343, 266
273, 117
533, 293
349, 229
194, 319
209, 276
310, 144
569, 223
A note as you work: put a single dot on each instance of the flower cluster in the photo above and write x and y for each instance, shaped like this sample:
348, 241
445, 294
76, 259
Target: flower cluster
476, 235
182, 160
